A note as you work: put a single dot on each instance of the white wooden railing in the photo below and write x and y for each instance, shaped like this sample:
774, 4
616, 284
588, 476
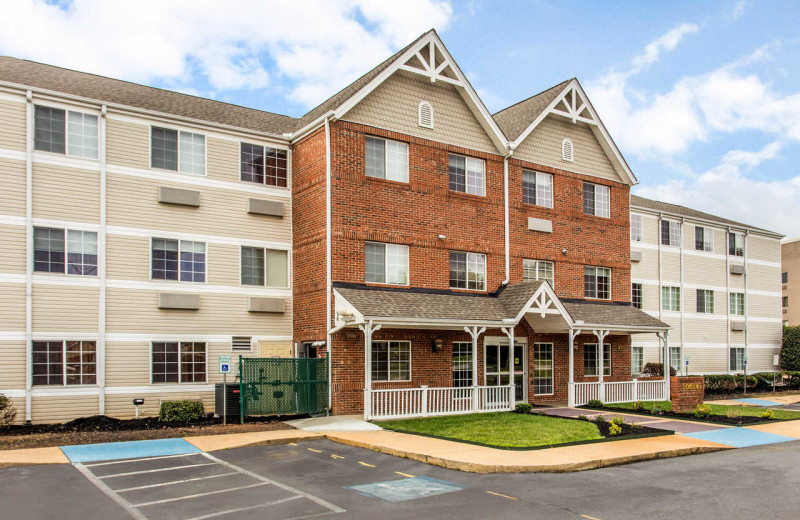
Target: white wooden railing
399, 403
619, 392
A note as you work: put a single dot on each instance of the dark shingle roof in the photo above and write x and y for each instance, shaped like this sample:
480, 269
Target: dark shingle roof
516, 118
683, 211
611, 315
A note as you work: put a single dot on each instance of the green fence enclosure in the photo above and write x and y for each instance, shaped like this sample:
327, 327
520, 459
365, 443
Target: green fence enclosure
283, 386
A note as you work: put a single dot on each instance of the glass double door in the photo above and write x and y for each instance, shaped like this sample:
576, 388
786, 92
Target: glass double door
497, 371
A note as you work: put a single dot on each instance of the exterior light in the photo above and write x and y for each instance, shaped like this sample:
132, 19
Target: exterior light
437, 344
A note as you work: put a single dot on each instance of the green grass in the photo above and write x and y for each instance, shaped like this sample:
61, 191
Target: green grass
510, 430
719, 409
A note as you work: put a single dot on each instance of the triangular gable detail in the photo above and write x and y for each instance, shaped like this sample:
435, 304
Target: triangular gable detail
544, 301
433, 63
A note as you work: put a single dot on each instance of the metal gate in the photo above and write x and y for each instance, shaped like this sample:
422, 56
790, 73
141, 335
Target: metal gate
283, 386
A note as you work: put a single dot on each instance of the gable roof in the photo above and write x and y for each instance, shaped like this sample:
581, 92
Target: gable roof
683, 211
515, 119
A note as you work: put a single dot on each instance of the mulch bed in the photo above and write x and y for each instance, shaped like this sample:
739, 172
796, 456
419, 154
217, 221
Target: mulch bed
715, 419
101, 428
627, 430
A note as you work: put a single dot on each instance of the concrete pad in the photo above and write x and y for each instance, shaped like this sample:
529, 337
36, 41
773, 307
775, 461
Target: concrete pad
52, 455
686, 426
334, 423
128, 450
740, 437
757, 402
785, 428
237, 440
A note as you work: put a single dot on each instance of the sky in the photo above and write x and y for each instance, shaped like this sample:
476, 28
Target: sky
702, 98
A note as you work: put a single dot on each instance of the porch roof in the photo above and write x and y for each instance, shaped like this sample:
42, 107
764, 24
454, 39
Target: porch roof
611, 315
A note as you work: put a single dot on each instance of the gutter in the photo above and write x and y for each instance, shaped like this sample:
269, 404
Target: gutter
722, 225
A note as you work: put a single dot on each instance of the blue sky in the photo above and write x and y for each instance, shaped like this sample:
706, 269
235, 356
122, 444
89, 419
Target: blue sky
703, 98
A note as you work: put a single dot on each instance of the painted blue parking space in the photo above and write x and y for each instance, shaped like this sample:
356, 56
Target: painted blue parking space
758, 402
407, 488
128, 450
740, 437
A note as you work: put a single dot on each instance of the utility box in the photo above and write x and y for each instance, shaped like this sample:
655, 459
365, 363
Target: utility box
234, 392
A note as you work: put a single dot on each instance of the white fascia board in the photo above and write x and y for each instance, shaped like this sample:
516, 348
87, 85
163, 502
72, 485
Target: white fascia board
436, 324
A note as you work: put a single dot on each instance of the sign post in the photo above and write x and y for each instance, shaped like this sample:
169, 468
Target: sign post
224, 369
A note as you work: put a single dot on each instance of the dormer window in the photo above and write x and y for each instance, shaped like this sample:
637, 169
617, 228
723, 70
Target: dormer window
567, 151
425, 114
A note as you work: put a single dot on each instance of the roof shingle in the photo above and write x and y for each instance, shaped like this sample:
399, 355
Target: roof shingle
516, 118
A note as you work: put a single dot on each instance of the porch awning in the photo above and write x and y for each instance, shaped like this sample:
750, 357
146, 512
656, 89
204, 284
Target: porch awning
611, 315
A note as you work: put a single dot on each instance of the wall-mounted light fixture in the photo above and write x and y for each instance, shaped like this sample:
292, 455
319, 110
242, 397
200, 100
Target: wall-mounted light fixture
437, 344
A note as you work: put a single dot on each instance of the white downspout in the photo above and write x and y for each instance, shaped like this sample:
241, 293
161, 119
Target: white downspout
29, 257
728, 296
660, 280
506, 222
328, 257
101, 271
682, 367
746, 309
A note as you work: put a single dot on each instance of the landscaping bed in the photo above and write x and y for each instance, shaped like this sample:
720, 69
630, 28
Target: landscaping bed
101, 428
508, 430
717, 413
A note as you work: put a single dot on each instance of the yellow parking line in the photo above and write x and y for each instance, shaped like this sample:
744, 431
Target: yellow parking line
501, 495
589, 517
292, 444
404, 474
365, 464
315, 451
335, 456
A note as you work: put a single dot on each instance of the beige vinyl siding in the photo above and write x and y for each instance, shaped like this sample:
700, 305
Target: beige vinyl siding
136, 311
704, 271
12, 195
764, 333
63, 308
127, 144
12, 124
704, 330
706, 359
760, 359
543, 146
62, 193
737, 337
133, 202
121, 405
651, 354
57, 409
763, 277
647, 268
736, 281
12, 369
671, 266
12, 307
12, 254
19, 405
223, 159
394, 106
650, 232
761, 306
650, 298
762, 248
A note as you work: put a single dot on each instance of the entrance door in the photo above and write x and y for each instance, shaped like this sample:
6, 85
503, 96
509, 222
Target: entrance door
496, 370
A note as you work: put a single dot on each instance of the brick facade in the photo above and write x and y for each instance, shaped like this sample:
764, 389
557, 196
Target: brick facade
686, 392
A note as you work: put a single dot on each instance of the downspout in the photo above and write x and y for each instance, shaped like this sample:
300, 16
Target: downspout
746, 308
728, 296
683, 307
506, 222
328, 257
660, 282
29, 255
101, 250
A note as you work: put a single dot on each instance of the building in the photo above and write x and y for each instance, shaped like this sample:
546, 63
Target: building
790, 276
443, 258
715, 281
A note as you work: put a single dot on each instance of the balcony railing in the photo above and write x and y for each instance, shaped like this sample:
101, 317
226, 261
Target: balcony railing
399, 403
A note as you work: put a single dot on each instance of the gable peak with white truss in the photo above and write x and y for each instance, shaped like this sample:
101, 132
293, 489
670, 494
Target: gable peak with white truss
573, 105
433, 62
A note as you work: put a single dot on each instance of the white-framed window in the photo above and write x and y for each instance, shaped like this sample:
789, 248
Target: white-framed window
182, 260
65, 251
467, 174
671, 299
537, 188
705, 301
178, 362
670, 233
65, 131
265, 267
425, 114
736, 359
264, 165
542, 368
567, 150
591, 359
177, 150
537, 270
467, 271
735, 244
462, 364
703, 239
636, 295
597, 282
386, 263
736, 302
61, 363
676, 358
385, 159
596, 200
637, 360
636, 227
391, 361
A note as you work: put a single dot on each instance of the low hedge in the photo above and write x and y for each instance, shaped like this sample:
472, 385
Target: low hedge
7, 411
729, 384
181, 411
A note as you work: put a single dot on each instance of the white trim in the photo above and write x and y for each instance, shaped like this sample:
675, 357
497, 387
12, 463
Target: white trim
30, 256
720, 226
700, 346
420, 119
716, 288
195, 237
162, 388
130, 337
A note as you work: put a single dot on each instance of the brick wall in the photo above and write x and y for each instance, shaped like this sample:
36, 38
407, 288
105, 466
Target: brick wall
686, 392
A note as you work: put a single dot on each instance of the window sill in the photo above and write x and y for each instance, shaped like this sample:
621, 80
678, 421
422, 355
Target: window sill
390, 182
262, 184
467, 195
388, 285
462, 290
204, 174
529, 205
590, 299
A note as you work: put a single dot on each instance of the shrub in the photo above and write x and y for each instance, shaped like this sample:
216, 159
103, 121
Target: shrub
181, 411
638, 406
614, 430
702, 411
790, 349
523, 408
733, 413
763, 380
7, 411
792, 379
656, 370
618, 420
600, 419
767, 414
656, 410
595, 403
582, 418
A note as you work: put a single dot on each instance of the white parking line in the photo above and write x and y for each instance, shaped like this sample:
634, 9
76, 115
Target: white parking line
175, 482
186, 497
128, 461
172, 468
116, 497
248, 508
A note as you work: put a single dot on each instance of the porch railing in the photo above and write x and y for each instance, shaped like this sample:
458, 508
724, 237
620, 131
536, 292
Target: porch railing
619, 391
399, 403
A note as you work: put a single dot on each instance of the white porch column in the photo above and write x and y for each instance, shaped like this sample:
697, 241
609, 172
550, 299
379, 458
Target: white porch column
573, 333
474, 333
667, 364
368, 329
509, 331
601, 336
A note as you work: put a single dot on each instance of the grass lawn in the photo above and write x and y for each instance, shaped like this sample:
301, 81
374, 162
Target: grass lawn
506, 429
719, 409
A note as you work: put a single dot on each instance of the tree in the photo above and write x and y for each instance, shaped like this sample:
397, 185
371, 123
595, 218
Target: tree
790, 349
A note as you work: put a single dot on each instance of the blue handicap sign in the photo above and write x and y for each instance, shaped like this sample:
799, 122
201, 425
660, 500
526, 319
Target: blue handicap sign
225, 368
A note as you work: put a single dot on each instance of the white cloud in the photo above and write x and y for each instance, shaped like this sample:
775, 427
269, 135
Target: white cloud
318, 45
738, 9
666, 42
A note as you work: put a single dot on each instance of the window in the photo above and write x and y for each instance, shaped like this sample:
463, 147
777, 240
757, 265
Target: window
737, 303
542, 368
177, 150
263, 165
386, 263
49, 246
537, 270
386, 159
785, 301
467, 175
467, 271
266, 267
391, 360
65, 132
784, 277
597, 283
636, 295
670, 233
64, 363
736, 359
182, 260
705, 301
591, 354
537, 188
637, 360
425, 114
179, 362
596, 200
636, 228
462, 364
671, 299
703, 239
567, 150
675, 355
735, 244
